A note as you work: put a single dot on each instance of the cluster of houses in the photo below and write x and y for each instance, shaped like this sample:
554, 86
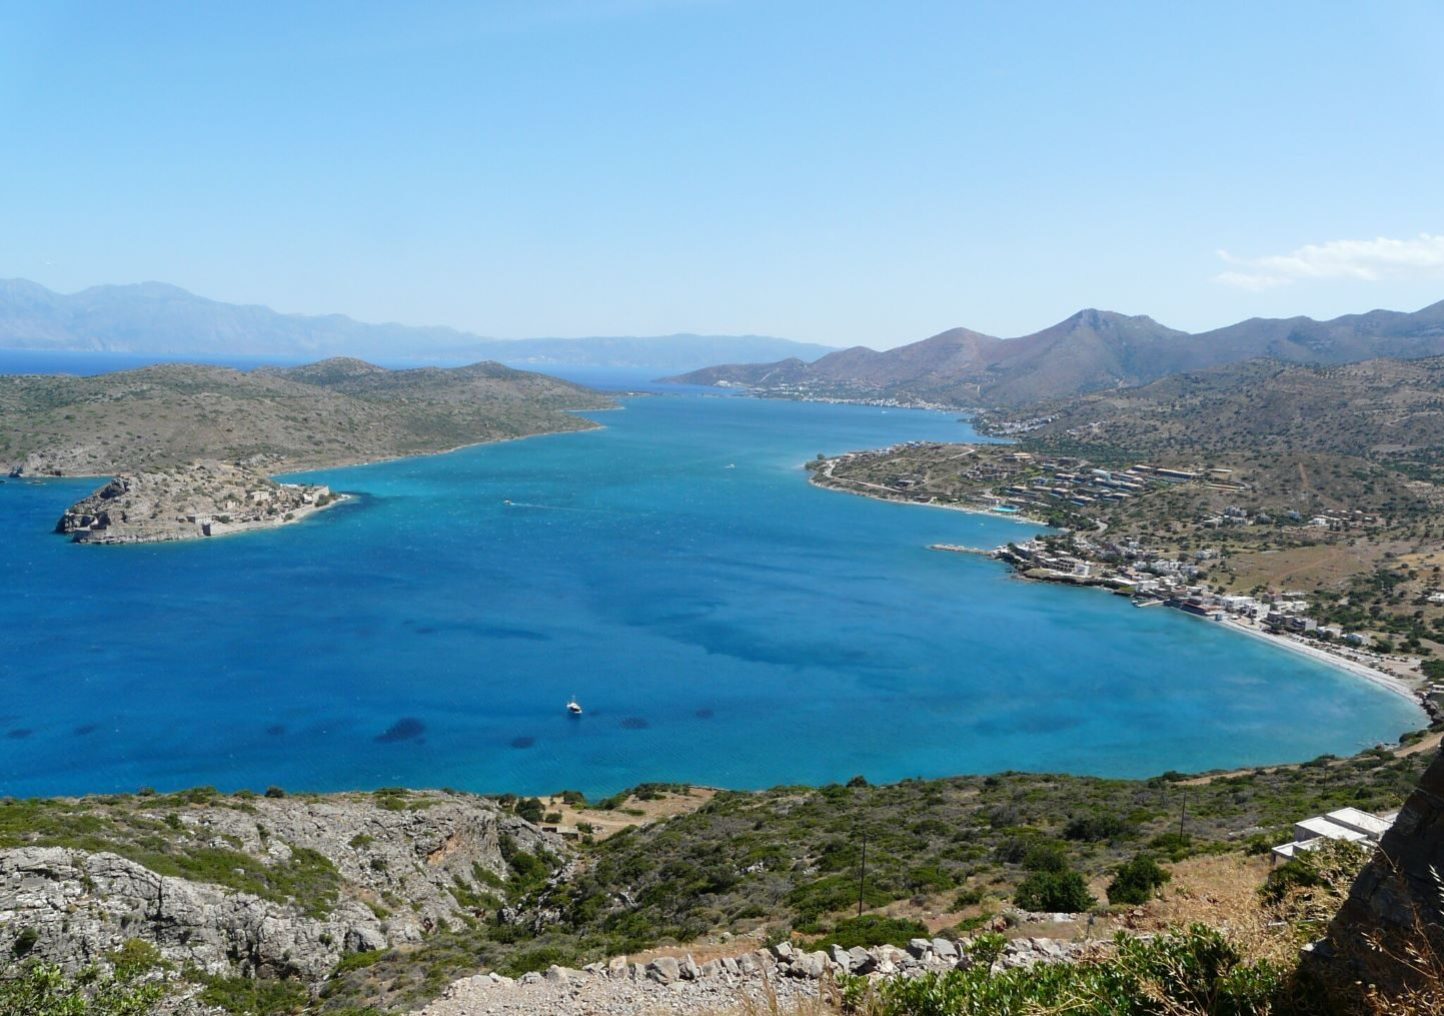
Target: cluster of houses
258, 505
1131, 569
1334, 520
1071, 481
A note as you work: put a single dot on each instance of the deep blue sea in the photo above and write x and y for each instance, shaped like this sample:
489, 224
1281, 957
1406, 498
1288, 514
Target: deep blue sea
720, 620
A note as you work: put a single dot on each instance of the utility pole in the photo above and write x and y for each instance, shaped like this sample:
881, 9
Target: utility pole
862, 875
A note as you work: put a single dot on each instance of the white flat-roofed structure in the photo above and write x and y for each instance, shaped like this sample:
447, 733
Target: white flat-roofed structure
1349, 825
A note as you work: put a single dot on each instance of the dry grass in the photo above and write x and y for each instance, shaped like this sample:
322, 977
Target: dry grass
1319, 566
607, 823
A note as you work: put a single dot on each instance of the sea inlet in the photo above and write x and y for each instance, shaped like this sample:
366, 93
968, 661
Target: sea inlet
720, 621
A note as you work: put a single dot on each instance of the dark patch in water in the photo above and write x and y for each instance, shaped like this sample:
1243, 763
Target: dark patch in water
408, 728
522, 742
19, 733
635, 723
276, 729
703, 714
1046, 723
502, 632
426, 630
86, 728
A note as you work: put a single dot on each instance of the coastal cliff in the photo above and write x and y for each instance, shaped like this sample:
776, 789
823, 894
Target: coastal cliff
193, 502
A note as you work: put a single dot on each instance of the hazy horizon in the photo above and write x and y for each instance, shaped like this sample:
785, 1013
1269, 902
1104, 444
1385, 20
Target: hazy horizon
835, 173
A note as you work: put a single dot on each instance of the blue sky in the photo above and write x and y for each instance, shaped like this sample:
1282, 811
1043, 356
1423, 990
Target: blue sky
842, 172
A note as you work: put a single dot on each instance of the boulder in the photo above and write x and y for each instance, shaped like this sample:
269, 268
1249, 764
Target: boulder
945, 949
919, 947
664, 970
860, 961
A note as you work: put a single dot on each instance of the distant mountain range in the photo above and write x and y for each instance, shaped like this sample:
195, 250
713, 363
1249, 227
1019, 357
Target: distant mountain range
1091, 351
155, 318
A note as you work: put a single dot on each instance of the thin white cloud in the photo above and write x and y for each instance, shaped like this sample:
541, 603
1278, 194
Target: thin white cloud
1360, 260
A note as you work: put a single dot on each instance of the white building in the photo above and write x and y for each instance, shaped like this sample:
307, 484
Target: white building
1348, 824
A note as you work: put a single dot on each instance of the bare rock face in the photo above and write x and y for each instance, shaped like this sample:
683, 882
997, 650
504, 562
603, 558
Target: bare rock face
84, 905
1397, 902
405, 865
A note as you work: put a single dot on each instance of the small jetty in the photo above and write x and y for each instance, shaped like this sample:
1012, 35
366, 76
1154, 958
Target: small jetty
957, 548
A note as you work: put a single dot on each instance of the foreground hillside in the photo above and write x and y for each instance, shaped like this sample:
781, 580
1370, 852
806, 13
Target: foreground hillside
1091, 351
330, 413
277, 903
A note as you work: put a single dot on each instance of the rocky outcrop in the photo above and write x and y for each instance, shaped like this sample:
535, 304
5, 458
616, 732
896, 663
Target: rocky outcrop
194, 502
681, 985
1396, 905
404, 865
82, 906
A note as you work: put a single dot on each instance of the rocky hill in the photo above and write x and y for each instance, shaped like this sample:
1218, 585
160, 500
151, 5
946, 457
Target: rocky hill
329, 413
1091, 351
1388, 411
252, 886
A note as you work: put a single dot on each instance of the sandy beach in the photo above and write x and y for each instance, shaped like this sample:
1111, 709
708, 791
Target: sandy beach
1382, 678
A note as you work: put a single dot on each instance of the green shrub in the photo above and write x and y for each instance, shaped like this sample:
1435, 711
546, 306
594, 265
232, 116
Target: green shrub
1063, 892
1046, 855
40, 989
254, 996
969, 897
1097, 828
24, 942
1193, 971
872, 929
1174, 846
1137, 881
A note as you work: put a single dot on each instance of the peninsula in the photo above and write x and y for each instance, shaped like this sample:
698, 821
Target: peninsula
191, 447
1223, 493
332, 413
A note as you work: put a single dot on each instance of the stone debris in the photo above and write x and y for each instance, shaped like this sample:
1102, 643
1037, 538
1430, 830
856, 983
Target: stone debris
672, 986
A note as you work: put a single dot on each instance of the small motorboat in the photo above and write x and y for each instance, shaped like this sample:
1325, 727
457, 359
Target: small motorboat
574, 707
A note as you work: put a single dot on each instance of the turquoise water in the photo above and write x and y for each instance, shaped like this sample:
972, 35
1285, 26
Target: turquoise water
722, 622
